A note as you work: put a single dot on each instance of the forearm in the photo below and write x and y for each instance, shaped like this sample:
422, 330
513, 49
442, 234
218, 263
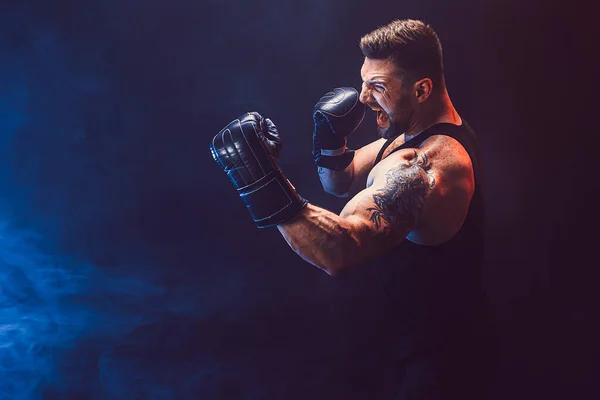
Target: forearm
323, 239
352, 179
337, 183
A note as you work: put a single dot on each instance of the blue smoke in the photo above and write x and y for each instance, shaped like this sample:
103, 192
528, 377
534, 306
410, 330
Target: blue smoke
53, 301
49, 303
119, 276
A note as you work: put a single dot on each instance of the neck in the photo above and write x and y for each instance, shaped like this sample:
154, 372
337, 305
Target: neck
436, 110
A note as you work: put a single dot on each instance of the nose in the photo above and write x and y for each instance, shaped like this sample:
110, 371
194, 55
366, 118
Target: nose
365, 94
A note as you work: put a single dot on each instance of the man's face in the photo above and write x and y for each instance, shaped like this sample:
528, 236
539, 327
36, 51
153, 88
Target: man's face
384, 91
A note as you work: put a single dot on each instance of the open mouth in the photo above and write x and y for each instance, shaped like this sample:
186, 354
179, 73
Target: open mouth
383, 119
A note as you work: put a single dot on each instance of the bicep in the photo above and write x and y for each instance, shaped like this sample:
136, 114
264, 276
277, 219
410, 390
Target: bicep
387, 211
447, 205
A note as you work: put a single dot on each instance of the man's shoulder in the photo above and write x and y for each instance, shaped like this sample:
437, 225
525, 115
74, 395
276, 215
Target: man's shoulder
441, 155
448, 154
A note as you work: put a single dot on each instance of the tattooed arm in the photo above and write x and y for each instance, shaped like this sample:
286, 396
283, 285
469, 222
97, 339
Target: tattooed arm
372, 222
424, 194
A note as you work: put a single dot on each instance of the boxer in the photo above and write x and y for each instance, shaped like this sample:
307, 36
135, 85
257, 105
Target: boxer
415, 204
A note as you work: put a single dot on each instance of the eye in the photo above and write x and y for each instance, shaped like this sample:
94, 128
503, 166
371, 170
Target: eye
379, 88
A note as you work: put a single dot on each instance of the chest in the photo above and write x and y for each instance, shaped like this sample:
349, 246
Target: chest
385, 163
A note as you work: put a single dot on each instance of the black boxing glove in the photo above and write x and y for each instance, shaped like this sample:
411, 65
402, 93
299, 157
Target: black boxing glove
337, 114
248, 149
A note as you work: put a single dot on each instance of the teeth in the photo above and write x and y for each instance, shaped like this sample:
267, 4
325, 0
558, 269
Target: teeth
382, 117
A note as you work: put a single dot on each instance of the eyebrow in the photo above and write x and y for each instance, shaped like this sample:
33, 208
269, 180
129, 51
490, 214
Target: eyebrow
372, 82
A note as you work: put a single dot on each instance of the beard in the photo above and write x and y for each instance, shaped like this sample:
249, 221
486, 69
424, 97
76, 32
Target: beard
399, 119
389, 132
394, 129
386, 133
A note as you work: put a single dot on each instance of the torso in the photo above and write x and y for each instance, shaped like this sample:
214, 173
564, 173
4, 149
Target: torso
437, 304
400, 140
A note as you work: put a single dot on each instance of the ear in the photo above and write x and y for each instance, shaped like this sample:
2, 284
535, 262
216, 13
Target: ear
422, 89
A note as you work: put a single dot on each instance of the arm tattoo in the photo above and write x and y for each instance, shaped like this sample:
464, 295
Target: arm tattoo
403, 196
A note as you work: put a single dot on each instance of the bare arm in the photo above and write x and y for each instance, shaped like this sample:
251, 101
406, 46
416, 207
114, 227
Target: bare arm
375, 220
351, 180
425, 192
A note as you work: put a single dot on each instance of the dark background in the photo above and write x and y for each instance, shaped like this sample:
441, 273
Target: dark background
131, 270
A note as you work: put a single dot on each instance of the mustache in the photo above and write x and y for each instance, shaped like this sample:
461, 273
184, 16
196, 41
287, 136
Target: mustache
375, 105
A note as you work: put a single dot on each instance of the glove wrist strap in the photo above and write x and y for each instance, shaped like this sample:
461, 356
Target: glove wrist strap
334, 152
271, 200
336, 163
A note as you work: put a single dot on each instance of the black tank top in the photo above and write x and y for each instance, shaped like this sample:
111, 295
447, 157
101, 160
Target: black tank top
435, 294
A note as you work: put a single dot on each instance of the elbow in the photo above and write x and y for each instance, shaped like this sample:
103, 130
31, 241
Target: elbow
335, 267
337, 193
331, 270
350, 254
330, 267
336, 189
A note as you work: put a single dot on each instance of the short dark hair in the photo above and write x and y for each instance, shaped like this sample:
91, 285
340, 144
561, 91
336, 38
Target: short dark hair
411, 44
